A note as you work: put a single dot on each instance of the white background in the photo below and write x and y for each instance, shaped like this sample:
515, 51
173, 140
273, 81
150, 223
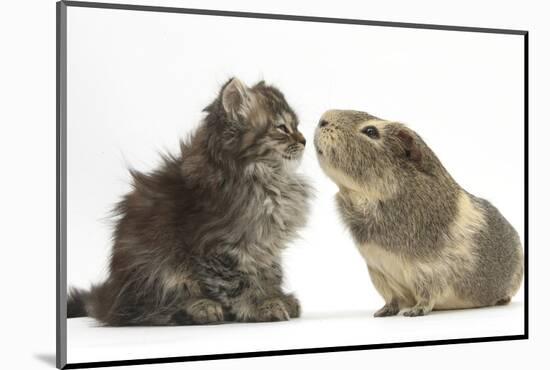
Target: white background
137, 82
29, 185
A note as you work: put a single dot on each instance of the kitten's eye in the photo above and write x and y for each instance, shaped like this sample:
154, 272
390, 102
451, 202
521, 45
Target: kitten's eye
283, 128
371, 132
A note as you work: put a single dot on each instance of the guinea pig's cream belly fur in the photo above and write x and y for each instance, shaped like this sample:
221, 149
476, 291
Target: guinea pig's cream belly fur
398, 275
402, 273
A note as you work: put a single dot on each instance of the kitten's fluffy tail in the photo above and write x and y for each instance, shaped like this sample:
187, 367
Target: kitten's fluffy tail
76, 302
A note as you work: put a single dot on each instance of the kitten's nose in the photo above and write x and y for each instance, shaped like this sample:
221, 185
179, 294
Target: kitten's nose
323, 123
300, 138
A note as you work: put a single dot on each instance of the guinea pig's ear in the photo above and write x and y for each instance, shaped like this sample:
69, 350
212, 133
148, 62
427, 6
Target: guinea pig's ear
409, 144
236, 98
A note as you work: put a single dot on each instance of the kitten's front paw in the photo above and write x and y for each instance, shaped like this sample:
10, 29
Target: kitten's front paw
292, 305
273, 310
205, 311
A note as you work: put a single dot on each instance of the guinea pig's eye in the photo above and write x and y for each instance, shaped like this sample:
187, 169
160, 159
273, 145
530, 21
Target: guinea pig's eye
282, 128
371, 132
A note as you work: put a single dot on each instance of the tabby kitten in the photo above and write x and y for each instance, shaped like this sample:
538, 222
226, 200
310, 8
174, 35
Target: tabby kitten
199, 240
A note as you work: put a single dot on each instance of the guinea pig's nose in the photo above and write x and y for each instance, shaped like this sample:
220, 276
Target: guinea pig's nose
323, 123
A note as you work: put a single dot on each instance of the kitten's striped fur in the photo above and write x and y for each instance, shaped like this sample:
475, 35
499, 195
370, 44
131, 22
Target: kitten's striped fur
199, 240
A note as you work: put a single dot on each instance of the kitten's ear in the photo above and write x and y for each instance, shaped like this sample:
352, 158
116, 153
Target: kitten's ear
236, 96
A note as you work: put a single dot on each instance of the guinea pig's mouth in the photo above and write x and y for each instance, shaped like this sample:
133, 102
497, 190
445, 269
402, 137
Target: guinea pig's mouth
316, 143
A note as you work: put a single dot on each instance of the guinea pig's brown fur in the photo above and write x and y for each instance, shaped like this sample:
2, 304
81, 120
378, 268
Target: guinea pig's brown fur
428, 243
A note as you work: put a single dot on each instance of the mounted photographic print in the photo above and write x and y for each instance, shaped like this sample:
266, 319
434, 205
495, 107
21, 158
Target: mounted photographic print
242, 184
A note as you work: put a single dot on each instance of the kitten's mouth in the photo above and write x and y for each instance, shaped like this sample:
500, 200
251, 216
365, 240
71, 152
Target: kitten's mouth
291, 157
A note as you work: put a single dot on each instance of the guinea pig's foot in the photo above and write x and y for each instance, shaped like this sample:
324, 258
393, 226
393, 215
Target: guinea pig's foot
417, 311
389, 309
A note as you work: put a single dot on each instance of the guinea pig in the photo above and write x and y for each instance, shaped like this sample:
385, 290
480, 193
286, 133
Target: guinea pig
428, 243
